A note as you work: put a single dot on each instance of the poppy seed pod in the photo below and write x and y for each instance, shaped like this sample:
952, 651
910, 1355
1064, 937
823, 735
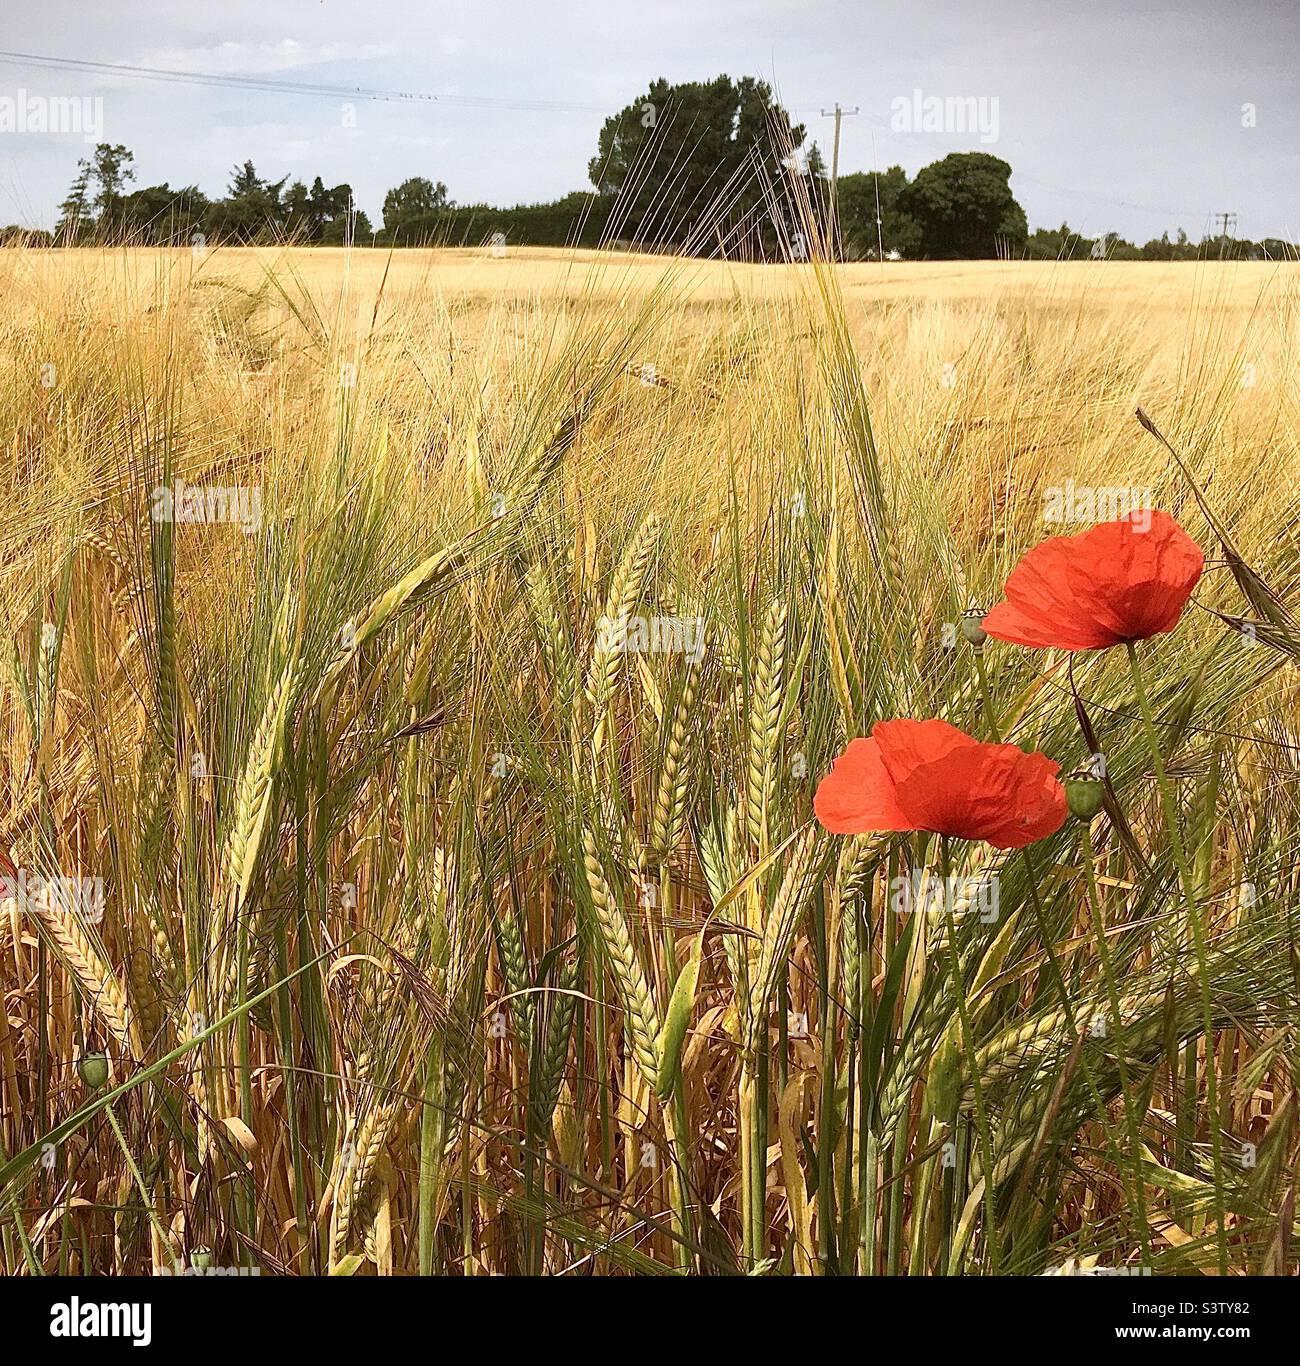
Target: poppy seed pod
1084, 794
972, 627
93, 1069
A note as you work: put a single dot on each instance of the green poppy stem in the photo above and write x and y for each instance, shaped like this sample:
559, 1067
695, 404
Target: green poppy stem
1097, 915
1046, 939
989, 714
1197, 923
991, 1241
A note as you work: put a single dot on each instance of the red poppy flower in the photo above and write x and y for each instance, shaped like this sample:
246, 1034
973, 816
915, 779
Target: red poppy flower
1109, 585
928, 775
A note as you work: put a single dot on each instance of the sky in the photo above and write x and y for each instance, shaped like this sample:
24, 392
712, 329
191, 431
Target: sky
1115, 115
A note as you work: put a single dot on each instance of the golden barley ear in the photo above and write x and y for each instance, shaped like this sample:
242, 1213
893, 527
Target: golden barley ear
79, 952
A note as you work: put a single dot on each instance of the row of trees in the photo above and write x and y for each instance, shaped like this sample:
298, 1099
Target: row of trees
101, 207
696, 166
962, 207
1064, 243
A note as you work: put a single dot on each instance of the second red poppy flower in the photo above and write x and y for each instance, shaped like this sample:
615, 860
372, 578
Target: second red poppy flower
928, 775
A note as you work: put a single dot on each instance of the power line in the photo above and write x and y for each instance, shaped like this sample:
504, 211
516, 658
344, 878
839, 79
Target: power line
277, 86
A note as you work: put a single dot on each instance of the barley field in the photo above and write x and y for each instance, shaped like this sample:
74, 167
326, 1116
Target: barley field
417, 673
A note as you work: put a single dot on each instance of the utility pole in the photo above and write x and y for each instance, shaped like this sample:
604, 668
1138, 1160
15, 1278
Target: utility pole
838, 115
1227, 224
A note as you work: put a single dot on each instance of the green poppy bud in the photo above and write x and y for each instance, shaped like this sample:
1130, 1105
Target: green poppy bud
972, 627
201, 1258
93, 1069
1084, 794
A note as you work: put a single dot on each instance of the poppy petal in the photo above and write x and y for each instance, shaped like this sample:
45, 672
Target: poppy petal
857, 795
1044, 606
995, 793
1139, 581
928, 775
905, 744
1018, 626
1120, 581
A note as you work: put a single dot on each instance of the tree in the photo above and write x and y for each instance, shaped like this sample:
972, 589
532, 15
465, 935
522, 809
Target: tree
159, 215
1162, 249
965, 209
75, 214
111, 170
299, 214
691, 161
1110, 246
412, 199
251, 212
342, 221
319, 216
899, 231
15, 236
815, 164
1057, 244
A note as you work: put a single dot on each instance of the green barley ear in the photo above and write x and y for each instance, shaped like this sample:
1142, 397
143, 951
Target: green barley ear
620, 602
842, 662
641, 1018
765, 704
859, 859
557, 648
427, 577
80, 951
909, 1062
253, 794
802, 873
544, 1088
673, 787
514, 963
